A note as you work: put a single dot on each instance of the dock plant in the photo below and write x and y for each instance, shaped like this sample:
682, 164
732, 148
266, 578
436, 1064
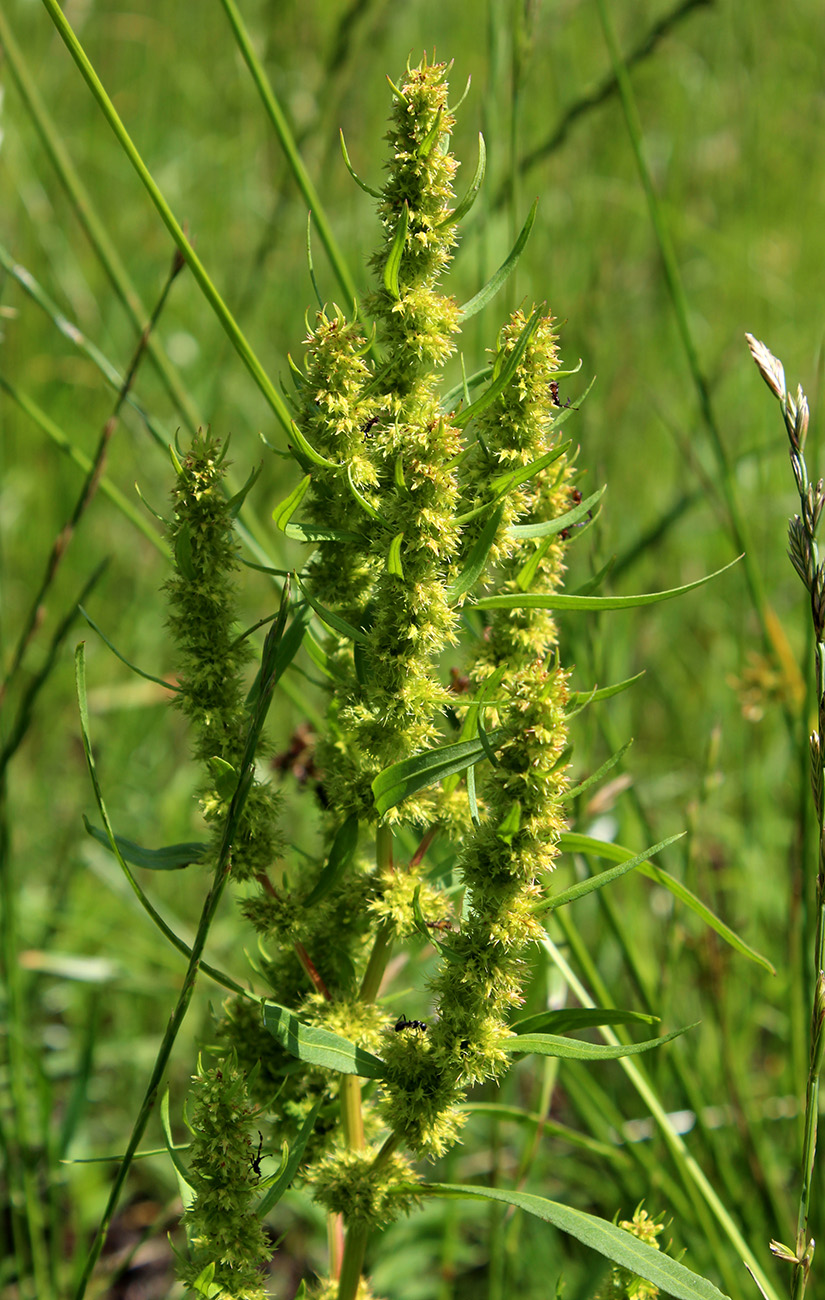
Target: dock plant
433, 510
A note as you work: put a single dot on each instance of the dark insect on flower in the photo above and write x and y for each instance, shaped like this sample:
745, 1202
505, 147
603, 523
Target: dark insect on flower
444, 926
554, 393
371, 423
256, 1159
403, 1023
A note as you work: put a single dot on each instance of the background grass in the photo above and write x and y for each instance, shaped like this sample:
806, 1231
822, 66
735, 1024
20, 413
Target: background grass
731, 108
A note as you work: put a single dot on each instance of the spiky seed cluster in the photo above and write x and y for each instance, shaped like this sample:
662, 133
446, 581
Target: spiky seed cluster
221, 1224
213, 656
348, 1183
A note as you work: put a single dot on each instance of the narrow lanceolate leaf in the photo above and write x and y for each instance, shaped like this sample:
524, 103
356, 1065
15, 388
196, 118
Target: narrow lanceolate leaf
491, 288
570, 1049
603, 692
376, 194
569, 842
506, 482
185, 1188
393, 263
149, 677
595, 777
615, 1243
603, 878
394, 562
171, 858
476, 561
341, 853
505, 378
309, 453
475, 185
284, 511
290, 1166
559, 601
395, 784
579, 1018
332, 620
320, 1046
551, 527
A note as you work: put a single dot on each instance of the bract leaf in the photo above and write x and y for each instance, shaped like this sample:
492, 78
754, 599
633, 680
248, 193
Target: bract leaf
171, 858
149, 677
396, 783
376, 194
596, 776
293, 1160
506, 482
283, 512
185, 1188
532, 600
505, 378
570, 1049
332, 620
183, 553
570, 842
341, 853
604, 692
309, 453
320, 1046
476, 561
553, 526
615, 1243
235, 503
491, 288
394, 564
472, 193
393, 263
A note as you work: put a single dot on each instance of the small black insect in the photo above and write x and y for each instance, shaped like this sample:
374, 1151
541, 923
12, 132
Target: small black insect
371, 423
256, 1159
403, 1023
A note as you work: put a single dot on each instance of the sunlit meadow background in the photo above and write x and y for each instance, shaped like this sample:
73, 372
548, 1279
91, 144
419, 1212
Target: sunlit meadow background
731, 101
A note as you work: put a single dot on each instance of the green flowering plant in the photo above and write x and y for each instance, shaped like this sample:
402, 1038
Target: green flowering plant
435, 513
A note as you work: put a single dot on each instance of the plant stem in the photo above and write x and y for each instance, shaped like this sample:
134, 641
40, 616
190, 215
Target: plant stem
353, 1261
382, 946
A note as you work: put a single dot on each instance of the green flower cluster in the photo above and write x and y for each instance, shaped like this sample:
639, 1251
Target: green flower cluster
228, 1244
213, 655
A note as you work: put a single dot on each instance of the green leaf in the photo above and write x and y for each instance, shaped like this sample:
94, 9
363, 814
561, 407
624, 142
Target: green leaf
394, 564
396, 783
506, 482
595, 777
284, 511
470, 727
603, 693
602, 878
491, 288
570, 1049
363, 502
376, 194
334, 621
502, 381
615, 1243
293, 1160
580, 1018
235, 503
476, 561
185, 1188
553, 526
571, 842
309, 453
341, 853
224, 776
559, 601
288, 644
425, 148
393, 263
472, 194
183, 553
171, 858
320, 1046
149, 677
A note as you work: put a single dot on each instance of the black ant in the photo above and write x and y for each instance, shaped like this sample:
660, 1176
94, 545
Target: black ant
255, 1163
554, 394
445, 926
403, 1023
576, 498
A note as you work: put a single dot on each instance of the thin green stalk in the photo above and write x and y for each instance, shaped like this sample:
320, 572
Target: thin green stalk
804, 555
89, 221
21, 1148
352, 1265
293, 155
770, 628
681, 1156
208, 911
216, 302
47, 425
382, 945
